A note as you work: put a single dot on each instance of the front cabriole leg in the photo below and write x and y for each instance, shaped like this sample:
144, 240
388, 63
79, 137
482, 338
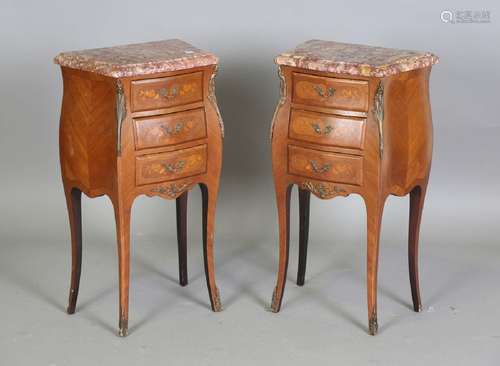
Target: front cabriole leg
283, 193
122, 217
73, 201
374, 210
209, 197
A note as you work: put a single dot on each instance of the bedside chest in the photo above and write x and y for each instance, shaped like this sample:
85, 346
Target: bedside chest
352, 119
140, 119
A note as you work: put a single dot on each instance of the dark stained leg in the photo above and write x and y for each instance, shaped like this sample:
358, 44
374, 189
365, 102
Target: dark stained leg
283, 194
181, 209
417, 196
73, 201
304, 204
209, 197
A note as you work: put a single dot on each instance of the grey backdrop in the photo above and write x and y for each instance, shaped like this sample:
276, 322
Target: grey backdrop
322, 323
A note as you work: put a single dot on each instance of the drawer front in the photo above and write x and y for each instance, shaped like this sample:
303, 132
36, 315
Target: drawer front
169, 129
167, 92
171, 165
325, 166
327, 129
330, 92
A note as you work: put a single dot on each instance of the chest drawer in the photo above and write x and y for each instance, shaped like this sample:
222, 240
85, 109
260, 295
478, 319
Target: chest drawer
167, 92
330, 92
171, 165
326, 166
169, 129
327, 129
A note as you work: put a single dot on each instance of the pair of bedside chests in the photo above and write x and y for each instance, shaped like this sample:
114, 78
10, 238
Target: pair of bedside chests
143, 119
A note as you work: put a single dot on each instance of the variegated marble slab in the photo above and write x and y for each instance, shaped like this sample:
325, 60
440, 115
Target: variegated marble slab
354, 59
137, 59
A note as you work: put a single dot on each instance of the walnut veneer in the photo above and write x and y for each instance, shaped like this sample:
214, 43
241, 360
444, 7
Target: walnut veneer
352, 119
140, 119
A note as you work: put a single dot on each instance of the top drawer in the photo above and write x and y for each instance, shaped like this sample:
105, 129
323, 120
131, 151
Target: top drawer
330, 92
167, 92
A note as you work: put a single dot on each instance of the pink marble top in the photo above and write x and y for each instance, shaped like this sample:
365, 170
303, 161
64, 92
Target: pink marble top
137, 59
354, 59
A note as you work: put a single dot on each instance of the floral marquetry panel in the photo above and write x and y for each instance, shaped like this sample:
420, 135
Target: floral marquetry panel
167, 92
327, 129
323, 165
330, 92
170, 129
171, 165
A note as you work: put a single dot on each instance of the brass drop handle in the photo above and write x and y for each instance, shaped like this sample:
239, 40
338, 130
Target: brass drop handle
317, 128
174, 167
330, 91
320, 169
168, 130
164, 92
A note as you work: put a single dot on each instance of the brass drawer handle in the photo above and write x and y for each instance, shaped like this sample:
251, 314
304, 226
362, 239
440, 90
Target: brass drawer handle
317, 128
169, 131
165, 93
174, 167
330, 91
320, 169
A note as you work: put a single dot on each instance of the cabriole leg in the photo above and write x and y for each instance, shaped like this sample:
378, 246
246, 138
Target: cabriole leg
417, 196
73, 202
283, 194
122, 217
209, 197
181, 209
374, 210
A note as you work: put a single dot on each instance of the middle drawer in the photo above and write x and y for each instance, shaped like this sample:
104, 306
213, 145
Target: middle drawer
327, 129
169, 129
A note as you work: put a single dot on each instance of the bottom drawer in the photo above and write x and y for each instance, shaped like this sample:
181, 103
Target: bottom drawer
171, 165
327, 166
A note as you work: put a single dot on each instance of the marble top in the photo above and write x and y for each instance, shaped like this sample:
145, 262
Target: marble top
137, 59
354, 59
